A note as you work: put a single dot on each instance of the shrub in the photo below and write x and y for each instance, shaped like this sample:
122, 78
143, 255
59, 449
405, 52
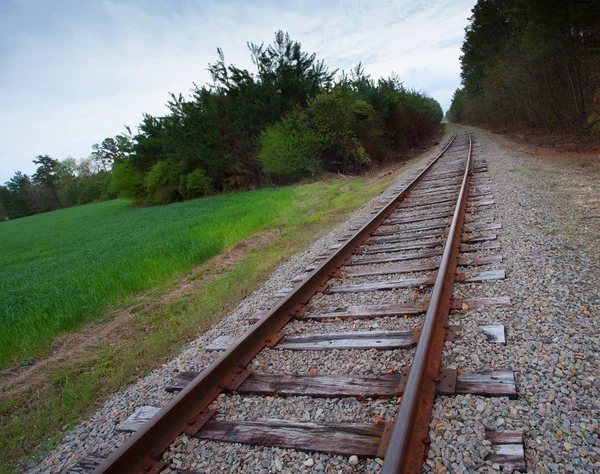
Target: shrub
290, 148
333, 117
196, 184
162, 182
594, 119
126, 181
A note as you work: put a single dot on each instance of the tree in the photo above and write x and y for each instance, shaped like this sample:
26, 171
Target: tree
48, 173
17, 197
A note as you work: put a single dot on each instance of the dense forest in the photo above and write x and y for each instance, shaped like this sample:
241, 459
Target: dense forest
531, 63
292, 118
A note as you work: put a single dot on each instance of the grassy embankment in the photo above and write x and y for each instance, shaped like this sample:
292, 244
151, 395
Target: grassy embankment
78, 266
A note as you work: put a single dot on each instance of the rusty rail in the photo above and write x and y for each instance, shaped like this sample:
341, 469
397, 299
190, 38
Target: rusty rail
410, 439
189, 410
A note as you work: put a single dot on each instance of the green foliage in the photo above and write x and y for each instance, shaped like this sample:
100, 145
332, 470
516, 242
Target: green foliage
594, 119
455, 112
197, 184
333, 119
531, 63
289, 148
127, 182
162, 182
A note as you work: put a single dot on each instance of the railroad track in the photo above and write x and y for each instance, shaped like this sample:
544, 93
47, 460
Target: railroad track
436, 232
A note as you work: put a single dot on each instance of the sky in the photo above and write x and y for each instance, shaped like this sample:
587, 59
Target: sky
73, 72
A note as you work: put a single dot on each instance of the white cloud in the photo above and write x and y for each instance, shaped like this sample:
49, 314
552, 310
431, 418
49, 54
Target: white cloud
77, 72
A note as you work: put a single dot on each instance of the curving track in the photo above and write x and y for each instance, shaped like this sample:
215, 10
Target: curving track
433, 234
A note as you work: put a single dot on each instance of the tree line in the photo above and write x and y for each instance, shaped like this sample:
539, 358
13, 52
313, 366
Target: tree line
532, 63
291, 118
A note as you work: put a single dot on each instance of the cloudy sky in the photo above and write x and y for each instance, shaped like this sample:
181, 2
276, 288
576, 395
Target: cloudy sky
73, 72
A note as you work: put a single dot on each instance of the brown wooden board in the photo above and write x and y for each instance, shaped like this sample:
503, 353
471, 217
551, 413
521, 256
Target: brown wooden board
408, 230
381, 286
494, 226
404, 238
507, 453
383, 340
474, 239
474, 248
137, 419
367, 311
480, 261
504, 437
500, 301
346, 439
489, 384
411, 283
486, 276
371, 249
396, 258
323, 385
428, 217
390, 269
87, 464
409, 213
427, 203
495, 333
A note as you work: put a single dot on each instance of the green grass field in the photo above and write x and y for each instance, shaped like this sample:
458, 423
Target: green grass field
62, 268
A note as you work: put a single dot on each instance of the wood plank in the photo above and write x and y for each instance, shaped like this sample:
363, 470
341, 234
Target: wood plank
490, 246
475, 239
390, 269
409, 230
495, 333
322, 385
367, 311
499, 301
372, 249
486, 276
360, 439
282, 292
410, 220
221, 343
405, 238
180, 381
422, 204
396, 258
504, 437
495, 226
489, 383
381, 286
507, 449
407, 213
383, 340
87, 463
138, 419
489, 202
487, 260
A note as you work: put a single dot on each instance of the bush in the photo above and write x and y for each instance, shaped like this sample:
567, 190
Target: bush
162, 182
126, 181
196, 184
290, 148
333, 117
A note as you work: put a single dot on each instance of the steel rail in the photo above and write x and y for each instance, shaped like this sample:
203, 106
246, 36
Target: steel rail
410, 438
188, 411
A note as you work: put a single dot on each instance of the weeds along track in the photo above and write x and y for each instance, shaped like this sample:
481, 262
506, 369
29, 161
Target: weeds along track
385, 291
